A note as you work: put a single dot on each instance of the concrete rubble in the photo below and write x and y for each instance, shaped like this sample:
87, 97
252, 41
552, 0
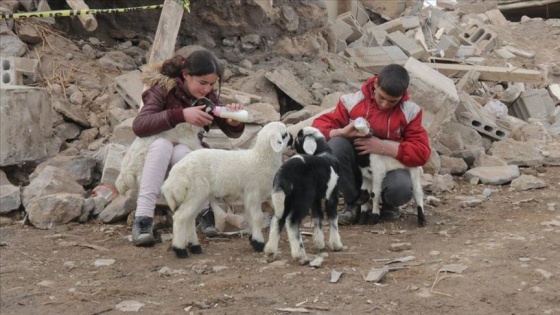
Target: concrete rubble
61, 139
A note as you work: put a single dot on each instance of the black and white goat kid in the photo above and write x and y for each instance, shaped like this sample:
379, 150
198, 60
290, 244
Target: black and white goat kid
306, 181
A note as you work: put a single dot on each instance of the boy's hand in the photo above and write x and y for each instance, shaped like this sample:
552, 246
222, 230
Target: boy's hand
371, 145
347, 132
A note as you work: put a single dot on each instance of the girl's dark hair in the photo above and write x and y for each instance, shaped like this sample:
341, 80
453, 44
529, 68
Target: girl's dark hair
198, 63
394, 80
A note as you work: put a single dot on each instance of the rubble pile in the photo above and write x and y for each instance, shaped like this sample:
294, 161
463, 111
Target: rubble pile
491, 100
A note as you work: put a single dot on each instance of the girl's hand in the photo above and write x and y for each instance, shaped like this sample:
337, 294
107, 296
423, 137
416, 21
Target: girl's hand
196, 116
233, 107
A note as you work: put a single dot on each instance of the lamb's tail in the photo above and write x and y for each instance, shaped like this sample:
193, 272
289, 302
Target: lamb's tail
278, 196
127, 176
173, 194
120, 185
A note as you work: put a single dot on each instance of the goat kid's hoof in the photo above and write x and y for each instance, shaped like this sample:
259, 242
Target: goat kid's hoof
374, 219
421, 221
257, 246
270, 257
194, 249
180, 252
421, 217
365, 217
302, 261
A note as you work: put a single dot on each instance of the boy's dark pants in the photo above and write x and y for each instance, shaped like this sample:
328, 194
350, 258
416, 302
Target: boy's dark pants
396, 188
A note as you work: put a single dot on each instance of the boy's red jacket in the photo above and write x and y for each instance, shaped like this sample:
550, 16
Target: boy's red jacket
402, 123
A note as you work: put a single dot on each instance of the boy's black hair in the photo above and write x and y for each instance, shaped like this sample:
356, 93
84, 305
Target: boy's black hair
393, 80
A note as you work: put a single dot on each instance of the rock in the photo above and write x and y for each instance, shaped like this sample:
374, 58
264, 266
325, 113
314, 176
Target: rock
527, 182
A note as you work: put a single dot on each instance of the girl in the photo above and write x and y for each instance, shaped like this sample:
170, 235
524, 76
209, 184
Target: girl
175, 85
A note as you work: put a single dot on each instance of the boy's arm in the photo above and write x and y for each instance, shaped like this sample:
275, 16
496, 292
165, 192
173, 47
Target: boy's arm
414, 150
336, 119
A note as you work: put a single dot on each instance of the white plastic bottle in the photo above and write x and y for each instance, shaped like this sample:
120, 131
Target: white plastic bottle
239, 115
361, 125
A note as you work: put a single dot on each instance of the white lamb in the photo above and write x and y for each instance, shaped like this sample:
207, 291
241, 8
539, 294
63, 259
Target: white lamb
211, 174
372, 178
133, 162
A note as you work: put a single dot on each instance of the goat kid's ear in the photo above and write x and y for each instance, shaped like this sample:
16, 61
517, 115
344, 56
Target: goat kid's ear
309, 145
276, 142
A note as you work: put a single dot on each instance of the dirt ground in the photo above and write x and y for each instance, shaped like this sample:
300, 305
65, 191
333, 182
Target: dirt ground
509, 244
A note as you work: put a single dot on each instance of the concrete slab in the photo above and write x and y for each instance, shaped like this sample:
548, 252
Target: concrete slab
408, 45
374, 59
288, 83
130, 87
532, 104
25, 124
434, 92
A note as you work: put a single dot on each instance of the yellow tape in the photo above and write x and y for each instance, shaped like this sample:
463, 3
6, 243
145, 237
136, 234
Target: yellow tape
59, 13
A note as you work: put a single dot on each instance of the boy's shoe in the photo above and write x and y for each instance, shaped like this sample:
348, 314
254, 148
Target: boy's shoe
350, 215
143, 231
205, 223
390, 213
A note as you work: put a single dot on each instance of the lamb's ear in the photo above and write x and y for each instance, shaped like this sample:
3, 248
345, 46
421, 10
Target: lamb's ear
309, 145
276, 142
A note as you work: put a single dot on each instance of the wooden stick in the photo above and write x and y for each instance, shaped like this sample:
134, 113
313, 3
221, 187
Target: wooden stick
166, 34
88, 21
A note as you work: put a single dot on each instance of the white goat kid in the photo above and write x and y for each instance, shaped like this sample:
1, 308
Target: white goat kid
133, 162
305, 181
211, 174
372, 180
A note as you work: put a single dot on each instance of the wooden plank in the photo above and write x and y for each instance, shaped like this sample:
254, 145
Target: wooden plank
489, 73
42, 5
88, 20
166, 34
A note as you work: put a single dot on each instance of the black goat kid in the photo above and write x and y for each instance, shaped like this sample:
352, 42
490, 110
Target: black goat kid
306, 181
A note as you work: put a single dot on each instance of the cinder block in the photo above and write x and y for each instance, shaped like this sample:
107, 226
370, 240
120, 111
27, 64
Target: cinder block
129, 87
9, 73
532, 104
478, 35
408, 45
491, 130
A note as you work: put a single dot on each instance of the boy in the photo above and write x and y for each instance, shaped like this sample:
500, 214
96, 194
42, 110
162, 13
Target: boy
384, 102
